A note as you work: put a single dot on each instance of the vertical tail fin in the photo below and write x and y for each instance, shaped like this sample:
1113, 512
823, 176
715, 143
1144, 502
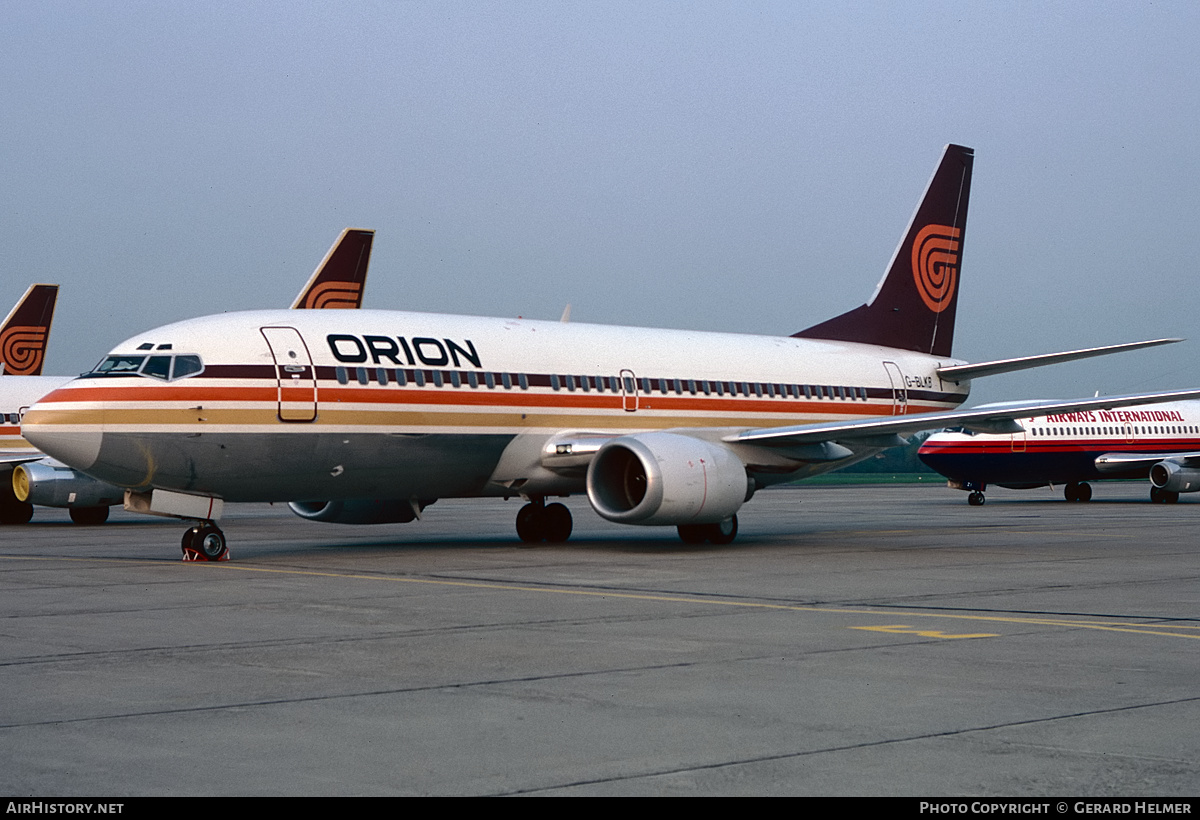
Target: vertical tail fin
339, 280
914, 304
25, 331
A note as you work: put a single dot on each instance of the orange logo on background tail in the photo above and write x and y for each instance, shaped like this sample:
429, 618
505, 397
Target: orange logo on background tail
328, 295
935, 265
22, 348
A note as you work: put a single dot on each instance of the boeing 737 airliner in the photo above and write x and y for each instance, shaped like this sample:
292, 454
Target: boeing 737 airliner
1161, 443
371, 416
26, 478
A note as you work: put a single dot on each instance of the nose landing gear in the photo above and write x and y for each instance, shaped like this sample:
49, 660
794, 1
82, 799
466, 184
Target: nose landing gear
205, 542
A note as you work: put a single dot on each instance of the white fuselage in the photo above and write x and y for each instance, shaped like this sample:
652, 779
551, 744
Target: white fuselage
352, 404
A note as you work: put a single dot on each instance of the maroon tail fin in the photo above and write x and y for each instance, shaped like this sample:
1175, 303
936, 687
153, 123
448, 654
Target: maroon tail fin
914, 305
25, 331
339, 280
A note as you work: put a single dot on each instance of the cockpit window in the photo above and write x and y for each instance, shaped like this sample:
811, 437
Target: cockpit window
166, 368
186, 366
119, 364
158, 367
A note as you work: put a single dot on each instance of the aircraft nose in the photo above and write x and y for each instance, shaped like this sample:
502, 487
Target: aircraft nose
78, 448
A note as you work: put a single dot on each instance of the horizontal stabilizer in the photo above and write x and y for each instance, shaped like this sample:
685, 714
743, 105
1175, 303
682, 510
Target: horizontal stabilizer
965, 372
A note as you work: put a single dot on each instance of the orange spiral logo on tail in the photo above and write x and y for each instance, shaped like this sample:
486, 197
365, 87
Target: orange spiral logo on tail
22, 349
935, 265
334, 295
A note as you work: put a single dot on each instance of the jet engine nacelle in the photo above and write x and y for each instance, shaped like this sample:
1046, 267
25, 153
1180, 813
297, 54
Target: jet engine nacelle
666, 478
47, 485
1175, 478
361, 510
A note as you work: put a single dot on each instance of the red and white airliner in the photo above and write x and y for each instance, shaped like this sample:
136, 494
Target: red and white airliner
1160, 442
370, 416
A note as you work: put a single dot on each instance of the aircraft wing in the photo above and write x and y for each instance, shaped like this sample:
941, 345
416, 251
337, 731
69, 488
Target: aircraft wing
885, 431
1120, 462
9, 458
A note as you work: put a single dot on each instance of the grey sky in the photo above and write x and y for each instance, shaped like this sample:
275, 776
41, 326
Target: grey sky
744, 166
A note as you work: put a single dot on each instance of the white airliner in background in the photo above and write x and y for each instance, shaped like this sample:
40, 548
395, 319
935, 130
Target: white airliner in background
1159, 442
370, 416
26, 477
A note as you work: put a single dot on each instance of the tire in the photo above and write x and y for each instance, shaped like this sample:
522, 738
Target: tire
13, 511
209, 541
529, 524
976, 499
1084, 493
692, 533
89, 516
723, 532
556, 523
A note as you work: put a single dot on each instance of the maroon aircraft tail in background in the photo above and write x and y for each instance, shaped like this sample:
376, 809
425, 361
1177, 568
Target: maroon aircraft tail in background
339, 280
25, 331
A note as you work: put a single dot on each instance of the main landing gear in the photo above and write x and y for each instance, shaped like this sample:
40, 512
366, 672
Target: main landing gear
976, 499
1161, 496
722, 532
13, 511
539, 521
1079, 491
205, 542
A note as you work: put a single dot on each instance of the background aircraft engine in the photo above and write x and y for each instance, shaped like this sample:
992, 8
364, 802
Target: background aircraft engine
1173, 478
360, 510
59, 486
666, 478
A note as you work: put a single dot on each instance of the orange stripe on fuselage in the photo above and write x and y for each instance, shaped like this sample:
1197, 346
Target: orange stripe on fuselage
477, 397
